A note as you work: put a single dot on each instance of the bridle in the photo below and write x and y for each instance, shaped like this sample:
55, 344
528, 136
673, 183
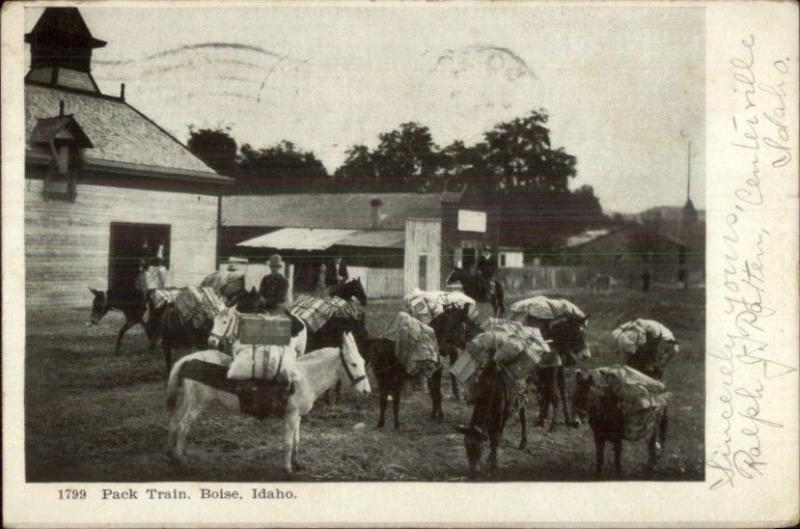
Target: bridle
353, 379
230, 328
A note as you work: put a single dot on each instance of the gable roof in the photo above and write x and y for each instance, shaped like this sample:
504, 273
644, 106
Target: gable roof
124, 139
47, 129
328, 210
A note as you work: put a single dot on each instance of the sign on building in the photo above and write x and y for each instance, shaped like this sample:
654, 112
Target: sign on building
471, 221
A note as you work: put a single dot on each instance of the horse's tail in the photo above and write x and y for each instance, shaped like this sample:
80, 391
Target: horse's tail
173, 383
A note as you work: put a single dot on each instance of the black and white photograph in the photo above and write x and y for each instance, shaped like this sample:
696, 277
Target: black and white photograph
276, 244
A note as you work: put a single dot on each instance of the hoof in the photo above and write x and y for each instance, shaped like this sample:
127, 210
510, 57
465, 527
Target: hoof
174, 459
379, 425
522, 444
397, 426
552, 427
539, 423
297, 465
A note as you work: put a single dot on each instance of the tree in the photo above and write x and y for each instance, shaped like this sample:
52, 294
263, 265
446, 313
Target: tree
280, 167
358, 169
215, 147
406, 157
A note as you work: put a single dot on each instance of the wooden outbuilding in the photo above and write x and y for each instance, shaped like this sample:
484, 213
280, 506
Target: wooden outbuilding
105, 186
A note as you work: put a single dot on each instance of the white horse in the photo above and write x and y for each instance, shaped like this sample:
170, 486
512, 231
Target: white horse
226, 326
319, 370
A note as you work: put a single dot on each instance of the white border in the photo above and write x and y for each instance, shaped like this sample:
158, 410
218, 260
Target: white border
771, 500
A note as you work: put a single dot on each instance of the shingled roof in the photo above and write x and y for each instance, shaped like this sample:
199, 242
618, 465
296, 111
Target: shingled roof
124, 139
328, 210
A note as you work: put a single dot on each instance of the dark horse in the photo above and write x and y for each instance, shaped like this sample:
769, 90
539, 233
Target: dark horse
608, 423
132, 305
479, 289
175, 333
567, 339
453, 330
350, 289
496, 398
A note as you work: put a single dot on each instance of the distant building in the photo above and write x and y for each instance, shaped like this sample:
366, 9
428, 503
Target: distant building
626, 253
105, 186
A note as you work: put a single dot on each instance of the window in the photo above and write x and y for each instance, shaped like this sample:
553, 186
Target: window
422, 272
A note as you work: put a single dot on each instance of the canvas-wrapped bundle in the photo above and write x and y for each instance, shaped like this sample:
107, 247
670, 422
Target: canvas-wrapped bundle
197, 306
225, 283
632, 335
162, 297
316, 312
541, 308
514, 346
427, 305
642, 399
415, 345
273, 363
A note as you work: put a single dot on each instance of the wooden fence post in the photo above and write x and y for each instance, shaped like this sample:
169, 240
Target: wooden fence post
290, 278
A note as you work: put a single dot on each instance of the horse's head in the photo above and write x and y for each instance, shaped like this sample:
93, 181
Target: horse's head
352, 289
488, 385
99, 306
224, 328
454, 328
580, 399
569, 336
352, 366
456, 275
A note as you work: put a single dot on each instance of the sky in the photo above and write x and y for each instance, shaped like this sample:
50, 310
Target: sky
623, 86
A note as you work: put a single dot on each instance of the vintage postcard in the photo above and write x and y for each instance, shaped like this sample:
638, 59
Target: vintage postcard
400, 264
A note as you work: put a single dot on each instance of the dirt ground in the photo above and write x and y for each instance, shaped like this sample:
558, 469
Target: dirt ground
92, 415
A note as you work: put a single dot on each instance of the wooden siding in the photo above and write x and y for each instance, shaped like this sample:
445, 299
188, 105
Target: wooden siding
379, 282
67, 244
423, 237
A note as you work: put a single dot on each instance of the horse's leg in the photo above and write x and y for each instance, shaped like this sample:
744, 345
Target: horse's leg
396, 405
435, 389
125, 326
296, 449
454, 385
562, 389
290, 424
541, 397
194, 401
618, 456
383, 404
600, 447
494, 441
523, 427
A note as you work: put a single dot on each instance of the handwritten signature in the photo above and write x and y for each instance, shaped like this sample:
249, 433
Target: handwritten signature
744, 357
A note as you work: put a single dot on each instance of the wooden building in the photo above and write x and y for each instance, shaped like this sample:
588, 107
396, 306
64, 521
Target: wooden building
626, 253
105, 186
423, 253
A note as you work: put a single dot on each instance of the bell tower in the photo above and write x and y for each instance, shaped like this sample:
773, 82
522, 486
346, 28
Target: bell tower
61, 50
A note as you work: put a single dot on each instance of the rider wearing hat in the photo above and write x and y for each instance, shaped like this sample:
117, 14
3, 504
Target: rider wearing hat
274, 286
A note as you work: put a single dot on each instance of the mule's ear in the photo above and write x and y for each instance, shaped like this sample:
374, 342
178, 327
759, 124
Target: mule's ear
93, 291
579, 376
253, 290
590, 380
466, 307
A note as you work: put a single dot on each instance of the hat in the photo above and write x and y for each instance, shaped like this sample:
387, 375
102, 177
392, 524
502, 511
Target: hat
275, 260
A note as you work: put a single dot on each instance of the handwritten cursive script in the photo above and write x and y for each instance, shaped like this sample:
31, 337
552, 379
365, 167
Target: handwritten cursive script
744, 358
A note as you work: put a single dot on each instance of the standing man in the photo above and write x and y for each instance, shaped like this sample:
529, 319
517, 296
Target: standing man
274, 286
487, 264
337, 273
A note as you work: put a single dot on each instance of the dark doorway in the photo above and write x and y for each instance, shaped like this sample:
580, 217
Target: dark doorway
470, 259
133, 246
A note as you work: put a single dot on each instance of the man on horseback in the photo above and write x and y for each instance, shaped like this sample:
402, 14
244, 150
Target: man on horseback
487, 267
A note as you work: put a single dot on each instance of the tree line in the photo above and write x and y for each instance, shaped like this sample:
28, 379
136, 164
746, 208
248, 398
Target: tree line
514, 161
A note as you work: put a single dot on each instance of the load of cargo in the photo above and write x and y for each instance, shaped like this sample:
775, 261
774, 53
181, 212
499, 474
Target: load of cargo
517, 348
427, 305
530, 311
632, 335
415, 345
161, 297
260, 346
642, 399
198, 305
227, 284
316, 312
